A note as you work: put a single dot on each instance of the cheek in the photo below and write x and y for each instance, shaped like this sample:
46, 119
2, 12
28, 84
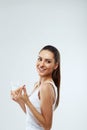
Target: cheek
37, 64
50, 67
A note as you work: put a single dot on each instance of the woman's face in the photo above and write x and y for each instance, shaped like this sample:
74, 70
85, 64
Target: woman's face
45, 63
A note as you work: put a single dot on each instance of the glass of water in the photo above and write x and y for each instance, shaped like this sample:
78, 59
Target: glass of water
15, 85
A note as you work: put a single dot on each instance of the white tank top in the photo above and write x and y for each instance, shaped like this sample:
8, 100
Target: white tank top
31, 121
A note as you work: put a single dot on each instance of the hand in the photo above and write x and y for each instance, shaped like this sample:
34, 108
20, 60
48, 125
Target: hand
16, 94
23, 95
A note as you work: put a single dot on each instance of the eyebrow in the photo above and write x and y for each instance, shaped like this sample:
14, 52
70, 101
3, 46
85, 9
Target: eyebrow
45, 59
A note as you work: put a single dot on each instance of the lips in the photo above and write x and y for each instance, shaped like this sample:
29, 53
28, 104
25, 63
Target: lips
41, 70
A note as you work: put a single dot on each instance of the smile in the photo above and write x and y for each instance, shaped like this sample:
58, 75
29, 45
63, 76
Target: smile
41, 69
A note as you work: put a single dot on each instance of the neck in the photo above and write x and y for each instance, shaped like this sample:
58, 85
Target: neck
44, 79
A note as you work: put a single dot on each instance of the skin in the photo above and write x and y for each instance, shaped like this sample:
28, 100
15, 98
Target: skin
45, 65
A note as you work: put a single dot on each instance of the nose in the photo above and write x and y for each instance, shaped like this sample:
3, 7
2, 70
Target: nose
41, 63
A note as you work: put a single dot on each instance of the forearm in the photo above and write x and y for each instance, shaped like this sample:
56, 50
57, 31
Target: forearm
36, 114
22, 105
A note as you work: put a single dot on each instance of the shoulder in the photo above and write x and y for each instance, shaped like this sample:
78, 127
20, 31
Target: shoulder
47, 93
47, 89
46, 86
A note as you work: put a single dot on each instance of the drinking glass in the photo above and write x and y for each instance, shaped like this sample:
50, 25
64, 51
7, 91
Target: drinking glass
15, 85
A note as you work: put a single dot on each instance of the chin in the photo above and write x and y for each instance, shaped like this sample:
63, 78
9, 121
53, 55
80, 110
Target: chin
42, 75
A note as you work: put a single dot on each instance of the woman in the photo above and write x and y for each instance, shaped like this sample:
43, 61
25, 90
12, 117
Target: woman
39, 105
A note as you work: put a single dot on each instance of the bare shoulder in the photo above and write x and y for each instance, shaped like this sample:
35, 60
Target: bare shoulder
47, 88
47, 94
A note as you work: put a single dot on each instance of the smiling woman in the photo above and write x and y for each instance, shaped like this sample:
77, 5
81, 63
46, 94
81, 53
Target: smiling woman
46, 63
44, 99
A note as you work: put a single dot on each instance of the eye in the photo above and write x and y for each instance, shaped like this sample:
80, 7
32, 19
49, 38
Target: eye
39, 59
48, 61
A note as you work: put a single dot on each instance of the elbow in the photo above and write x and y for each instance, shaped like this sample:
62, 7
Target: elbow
48, 126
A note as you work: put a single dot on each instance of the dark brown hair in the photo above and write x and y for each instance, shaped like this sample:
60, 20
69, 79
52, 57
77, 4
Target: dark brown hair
56, 73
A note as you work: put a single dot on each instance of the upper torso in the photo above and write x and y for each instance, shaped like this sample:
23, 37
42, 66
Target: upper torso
31, 121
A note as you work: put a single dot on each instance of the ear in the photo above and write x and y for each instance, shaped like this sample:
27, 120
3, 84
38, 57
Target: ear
56, 65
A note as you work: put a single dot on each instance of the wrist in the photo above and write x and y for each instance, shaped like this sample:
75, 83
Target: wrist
27, 102
20, 101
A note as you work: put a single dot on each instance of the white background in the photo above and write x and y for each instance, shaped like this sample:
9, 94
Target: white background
25, 27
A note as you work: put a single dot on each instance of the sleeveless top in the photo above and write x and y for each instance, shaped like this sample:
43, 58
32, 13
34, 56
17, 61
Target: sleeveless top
31, 121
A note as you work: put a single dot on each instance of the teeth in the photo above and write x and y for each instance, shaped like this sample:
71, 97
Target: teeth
41, 69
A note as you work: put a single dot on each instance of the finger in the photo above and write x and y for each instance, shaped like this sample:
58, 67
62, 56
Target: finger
24, 90
12, 93
13, 96
20, 92
23, 86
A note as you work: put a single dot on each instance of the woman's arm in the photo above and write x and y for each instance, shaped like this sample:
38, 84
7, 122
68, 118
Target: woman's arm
46, 97
16, 98
22, 105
